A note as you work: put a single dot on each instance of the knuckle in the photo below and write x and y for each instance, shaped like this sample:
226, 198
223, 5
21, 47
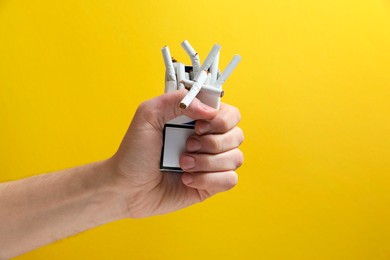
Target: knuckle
238, 136
145, 111
215, 144
239, 158
204, 162
231, 180
143, 106
238, 114
224, 123
241, 135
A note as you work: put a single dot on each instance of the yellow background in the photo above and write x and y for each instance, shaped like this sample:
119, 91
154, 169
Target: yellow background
313, 89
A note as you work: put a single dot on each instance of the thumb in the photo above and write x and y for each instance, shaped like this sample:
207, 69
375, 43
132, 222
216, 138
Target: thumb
161, 109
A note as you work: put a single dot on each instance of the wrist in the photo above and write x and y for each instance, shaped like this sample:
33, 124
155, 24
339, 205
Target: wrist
108, 195
132, 191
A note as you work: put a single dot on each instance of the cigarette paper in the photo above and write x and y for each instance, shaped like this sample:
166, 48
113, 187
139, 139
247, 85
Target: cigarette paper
214, 69
180, 72
168, 64
208, 80
170, 86
186, 101
209, 60
187, 82
193, 55
228, 70
207, 89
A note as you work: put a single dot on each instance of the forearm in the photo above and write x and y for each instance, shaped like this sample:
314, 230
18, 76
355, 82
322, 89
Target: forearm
45, 208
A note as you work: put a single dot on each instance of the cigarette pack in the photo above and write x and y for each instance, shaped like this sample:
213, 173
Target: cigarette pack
203, 82
177, 131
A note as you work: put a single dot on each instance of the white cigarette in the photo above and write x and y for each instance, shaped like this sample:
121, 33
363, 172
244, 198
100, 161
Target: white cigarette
200, 77
168, 64
193, 55
187, 82
228, 70
186, 101
205, 88
180, 72
214, 69
209, 60
208, 80
170, 86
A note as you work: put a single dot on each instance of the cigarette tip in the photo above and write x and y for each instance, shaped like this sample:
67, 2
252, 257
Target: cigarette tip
182, 105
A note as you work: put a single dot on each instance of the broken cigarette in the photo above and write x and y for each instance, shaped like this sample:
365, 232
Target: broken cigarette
170, 70
190, 96
193, 55
200, 77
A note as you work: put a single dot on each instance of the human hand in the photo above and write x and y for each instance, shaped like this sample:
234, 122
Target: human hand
210, 160
129, 184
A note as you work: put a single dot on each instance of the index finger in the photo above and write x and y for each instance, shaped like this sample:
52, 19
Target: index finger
226, 119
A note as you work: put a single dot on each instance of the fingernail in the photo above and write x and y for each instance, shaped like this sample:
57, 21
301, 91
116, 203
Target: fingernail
203, 127
187, 178
193, 144
188, 162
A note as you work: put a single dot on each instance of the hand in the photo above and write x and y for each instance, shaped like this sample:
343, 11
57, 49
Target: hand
41, 209
210, 159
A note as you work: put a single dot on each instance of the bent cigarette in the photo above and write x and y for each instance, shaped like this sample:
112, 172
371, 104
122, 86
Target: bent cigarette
206, 88
200, 77
180, 72
209, 59
193, 55
186, 101
170, 70
228, 70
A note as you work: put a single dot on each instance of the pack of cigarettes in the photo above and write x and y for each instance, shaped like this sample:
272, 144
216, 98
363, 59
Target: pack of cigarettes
203, 81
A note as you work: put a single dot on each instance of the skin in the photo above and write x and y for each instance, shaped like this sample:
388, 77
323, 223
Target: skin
42, 209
